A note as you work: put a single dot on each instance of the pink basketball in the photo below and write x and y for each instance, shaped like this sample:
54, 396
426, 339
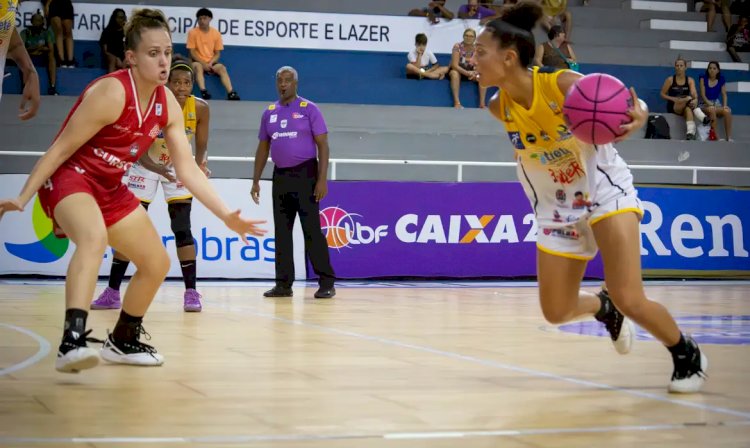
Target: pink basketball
595, 107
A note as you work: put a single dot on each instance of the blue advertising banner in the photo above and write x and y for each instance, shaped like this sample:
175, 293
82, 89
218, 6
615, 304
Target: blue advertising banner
695, 231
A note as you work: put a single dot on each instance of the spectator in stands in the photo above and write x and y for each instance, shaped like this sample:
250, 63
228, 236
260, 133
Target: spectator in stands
463, 68
711, 6
60, 15
434, 11
205, 44
738, 39
422, 62
556, 13
472, 10
557, 52
112, 41
679, 92
713, 99
40, 44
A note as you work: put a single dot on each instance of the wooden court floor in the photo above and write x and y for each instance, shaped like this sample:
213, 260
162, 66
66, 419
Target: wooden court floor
382, 365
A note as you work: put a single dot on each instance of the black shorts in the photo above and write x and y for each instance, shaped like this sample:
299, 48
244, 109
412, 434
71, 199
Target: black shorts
62, 9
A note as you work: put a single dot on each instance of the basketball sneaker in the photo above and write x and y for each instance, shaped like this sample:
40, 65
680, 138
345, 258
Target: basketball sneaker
74, 355
133, 352
192, 301
109, 299
689, 369
621, 329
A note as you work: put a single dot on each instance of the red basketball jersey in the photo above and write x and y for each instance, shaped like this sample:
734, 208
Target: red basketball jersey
108, 155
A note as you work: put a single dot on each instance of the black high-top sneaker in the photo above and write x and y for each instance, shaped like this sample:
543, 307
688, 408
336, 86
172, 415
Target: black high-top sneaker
74, 355
689, 369
620, 328
132, 352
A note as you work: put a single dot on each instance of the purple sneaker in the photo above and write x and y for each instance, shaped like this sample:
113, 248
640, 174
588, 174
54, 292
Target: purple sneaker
192, 302
108, 300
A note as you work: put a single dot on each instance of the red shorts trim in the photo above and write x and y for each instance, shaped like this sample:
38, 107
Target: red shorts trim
115, 202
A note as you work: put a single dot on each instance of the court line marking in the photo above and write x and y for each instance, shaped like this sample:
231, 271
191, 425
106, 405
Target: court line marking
44, 348
503, 366
422, 435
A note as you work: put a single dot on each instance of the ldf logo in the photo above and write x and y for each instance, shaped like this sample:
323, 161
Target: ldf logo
341, 230
49, 248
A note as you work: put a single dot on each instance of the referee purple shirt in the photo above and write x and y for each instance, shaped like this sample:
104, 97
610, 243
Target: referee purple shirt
291, 129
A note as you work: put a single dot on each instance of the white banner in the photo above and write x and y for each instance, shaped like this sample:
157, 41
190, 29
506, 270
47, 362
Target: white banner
27, 247
281, 29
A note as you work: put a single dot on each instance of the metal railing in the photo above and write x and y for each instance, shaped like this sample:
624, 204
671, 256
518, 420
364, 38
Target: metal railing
458, 164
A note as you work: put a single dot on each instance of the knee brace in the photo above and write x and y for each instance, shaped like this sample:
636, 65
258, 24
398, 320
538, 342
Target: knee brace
179, 215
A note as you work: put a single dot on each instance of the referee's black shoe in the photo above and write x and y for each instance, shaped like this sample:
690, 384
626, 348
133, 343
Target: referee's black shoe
279, 291
325, 292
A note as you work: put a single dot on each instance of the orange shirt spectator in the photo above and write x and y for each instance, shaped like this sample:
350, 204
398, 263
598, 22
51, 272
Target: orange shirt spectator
205, 43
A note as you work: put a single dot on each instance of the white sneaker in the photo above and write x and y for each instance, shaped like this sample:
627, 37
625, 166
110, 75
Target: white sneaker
76, 359
133, 352
689, 371
621, 329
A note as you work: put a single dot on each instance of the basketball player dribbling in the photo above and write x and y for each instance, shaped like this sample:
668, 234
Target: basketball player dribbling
115, 120
529, 105
154, 168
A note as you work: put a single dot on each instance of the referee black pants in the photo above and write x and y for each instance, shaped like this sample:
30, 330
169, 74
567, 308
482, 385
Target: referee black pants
293, 194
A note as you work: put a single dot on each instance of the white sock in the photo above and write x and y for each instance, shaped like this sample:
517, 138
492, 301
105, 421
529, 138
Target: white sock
691, 127
699, 114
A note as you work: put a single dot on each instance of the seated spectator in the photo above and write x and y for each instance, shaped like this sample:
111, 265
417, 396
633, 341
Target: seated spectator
112, 41
472, 10
40, 44
434, 11
422, 62
462, 68
711, 6
60, 16
556, 52
679, 92
713, 99
738, 39
205, 44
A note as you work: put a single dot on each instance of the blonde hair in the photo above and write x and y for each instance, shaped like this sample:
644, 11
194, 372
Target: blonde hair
140, 20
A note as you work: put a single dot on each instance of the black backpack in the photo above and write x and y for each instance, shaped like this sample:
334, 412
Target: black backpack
657, 127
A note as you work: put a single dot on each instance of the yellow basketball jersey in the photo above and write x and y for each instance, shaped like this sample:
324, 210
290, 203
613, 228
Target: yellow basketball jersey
558, 172
158, 151
8, 10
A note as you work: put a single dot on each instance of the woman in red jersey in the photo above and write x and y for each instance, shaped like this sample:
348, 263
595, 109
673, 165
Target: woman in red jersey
113, 123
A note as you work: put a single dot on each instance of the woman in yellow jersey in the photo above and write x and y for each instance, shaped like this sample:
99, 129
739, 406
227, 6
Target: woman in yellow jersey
154, 168
582, 196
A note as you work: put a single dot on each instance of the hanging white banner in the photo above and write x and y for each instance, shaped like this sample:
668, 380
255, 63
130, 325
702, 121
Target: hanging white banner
28, 247
281, 29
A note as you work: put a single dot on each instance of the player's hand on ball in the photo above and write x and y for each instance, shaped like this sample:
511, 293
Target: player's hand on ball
244, 226
637, 113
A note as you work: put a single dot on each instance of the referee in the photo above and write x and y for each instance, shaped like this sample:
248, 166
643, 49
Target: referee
294, 132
